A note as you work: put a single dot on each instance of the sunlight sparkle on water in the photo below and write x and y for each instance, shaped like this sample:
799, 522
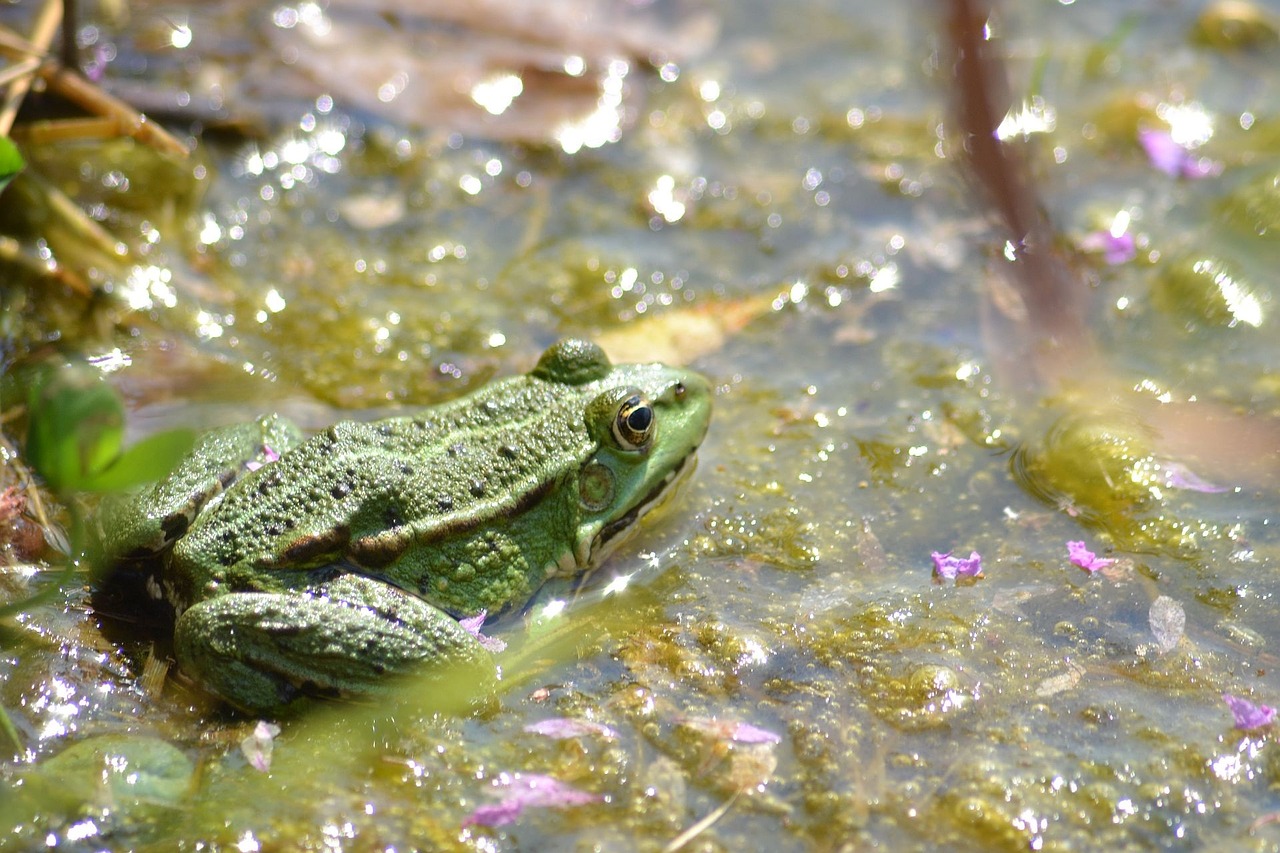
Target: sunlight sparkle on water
604, 124
111, 360
1030, 117
618, 584
496, 94
662, 198
1243, 305
885, 278
81, 831
210, 230
307, 14
147, 286
208, 325
1120, 223
180, 36
1189, 124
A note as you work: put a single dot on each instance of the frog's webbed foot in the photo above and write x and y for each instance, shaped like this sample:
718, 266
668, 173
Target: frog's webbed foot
260, 651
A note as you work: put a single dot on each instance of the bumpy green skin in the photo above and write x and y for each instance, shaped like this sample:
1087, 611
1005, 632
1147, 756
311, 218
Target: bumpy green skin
350, 557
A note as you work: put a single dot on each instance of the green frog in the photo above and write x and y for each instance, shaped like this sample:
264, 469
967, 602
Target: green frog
321, 566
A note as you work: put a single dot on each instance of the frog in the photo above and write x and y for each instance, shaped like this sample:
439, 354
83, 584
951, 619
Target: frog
300, 567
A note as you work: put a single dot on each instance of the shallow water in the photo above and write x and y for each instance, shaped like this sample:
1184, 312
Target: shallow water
787, 214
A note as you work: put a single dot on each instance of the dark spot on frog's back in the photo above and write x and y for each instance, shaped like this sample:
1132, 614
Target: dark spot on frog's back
305, 549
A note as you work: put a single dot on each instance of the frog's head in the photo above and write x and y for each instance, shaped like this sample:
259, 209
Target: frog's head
645, 422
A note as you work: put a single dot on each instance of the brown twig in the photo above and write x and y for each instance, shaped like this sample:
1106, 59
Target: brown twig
24, 68
42, 35
11, 253
75, 88
117, 117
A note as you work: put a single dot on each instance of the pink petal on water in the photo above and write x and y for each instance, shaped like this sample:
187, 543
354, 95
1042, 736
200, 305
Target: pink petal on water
257, 747
733, 730
950, 567
1172, 158
528, 790
1248, 715
473, 624
567, 727
268, 456
1179, 476
747, 733
1114, 250
1084, 558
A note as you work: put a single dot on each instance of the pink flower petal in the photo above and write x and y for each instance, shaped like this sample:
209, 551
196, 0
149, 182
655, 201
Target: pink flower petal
950, 567
1179, 476
747, 733
1172, 158
473, 624
1248, 715
1086, 559
257, 747
528, 790
268, 456
560, 728
1165, 154
733, 730
1114, 250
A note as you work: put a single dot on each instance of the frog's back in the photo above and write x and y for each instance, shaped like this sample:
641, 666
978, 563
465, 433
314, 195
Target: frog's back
363, 493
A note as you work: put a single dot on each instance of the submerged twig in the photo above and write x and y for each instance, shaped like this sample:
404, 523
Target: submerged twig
1051, 291
703, 824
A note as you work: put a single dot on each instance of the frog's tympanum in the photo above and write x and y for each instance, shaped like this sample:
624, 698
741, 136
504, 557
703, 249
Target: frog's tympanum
320, 566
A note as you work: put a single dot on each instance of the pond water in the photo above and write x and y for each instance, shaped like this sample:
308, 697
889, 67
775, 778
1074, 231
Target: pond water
781, 203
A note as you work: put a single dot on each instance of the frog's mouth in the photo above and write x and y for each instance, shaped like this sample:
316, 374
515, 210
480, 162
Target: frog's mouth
590, 553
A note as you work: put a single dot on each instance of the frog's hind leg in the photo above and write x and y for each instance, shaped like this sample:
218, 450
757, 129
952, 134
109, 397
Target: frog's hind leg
260, 651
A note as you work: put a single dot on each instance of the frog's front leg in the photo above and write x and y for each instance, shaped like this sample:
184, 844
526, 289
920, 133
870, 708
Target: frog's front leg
260, 651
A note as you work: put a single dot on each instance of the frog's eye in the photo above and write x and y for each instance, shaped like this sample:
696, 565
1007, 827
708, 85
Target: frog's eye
633, 426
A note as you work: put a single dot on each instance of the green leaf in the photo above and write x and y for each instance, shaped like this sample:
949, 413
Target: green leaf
11, 162
75, 426
148, 460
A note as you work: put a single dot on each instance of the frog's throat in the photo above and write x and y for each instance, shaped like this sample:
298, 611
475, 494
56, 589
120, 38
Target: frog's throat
589, 553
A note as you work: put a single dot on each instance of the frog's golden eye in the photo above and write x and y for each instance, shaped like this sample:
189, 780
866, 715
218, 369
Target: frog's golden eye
633, 427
